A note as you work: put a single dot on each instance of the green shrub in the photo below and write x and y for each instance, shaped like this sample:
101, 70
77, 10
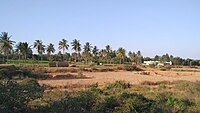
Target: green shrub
145, 73
118, 84
63, 64
80, 74
82, 102
167, 101
138, 103
52, 64
166, 68
132, 68
15, 96
107, 105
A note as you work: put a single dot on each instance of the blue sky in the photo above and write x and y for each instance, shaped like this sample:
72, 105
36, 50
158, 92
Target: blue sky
151, 26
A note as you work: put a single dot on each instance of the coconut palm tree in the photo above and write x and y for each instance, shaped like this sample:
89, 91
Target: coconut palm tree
6, 45
87, 47
63, 45
95, 51
87, 52
24, 49
103, 54
108, 48
18, 49
38, 44
121, 54
50, 49
108, 51
76, 46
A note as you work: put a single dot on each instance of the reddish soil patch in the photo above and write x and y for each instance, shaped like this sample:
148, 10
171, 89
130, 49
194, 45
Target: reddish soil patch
132, 77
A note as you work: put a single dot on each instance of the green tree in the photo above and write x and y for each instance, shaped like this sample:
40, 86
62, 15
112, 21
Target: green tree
103, 55
108, 51
87, 47
63, 45
95, 52
6, 45
38, 44
135, 57
24, 49
50, 50
15, 95
87, 52
132, 56
121, 54
76, 46
165, 58
139, 57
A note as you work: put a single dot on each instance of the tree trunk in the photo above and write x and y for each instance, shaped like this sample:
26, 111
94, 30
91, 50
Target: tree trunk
19, 57
25, 57
41, 57
7, 57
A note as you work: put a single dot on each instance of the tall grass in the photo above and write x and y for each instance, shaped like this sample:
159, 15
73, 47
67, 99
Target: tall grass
28, 62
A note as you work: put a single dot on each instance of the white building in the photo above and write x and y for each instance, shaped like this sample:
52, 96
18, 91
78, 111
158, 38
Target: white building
151, 62
157, 63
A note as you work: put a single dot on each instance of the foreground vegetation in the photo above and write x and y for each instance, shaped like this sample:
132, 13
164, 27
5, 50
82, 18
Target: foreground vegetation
21, 93
120, 97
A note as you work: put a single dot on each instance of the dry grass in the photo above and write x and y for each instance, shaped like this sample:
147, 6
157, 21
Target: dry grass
103, 78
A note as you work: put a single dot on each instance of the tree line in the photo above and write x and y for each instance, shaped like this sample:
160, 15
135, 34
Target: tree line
87, 53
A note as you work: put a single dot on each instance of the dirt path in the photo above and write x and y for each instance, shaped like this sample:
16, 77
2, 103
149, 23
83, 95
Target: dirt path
133, 77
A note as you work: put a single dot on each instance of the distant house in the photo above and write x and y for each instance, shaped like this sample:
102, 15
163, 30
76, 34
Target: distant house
168, 63
156, 63
150, 62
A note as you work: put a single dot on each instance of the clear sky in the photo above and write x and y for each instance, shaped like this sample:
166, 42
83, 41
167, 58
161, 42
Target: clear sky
151, 26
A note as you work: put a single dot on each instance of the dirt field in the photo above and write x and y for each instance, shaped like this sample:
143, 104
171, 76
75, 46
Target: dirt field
132, 77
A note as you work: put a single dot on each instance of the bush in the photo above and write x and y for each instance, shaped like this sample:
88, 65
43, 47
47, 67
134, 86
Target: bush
82, 102
73, 65
7, 72
132, 68
118, 84
138, 103
170, 103
52, 64
167, 68
63, 64
118, 97
145, 73
15, 96
107, 105
80, 75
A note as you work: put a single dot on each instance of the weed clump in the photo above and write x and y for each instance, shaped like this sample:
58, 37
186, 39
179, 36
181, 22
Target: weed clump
132, 68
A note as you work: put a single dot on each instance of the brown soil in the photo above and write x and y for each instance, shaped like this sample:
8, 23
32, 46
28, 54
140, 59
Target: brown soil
132, 77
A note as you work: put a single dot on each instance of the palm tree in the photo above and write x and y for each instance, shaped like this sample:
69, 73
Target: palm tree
63, 45
24, 49
6, 45
87, 47
108, 48
108, 51
103, 54
95, 51
87, 52
50, 49
38, 44
121, 54
76, 46
18, 49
